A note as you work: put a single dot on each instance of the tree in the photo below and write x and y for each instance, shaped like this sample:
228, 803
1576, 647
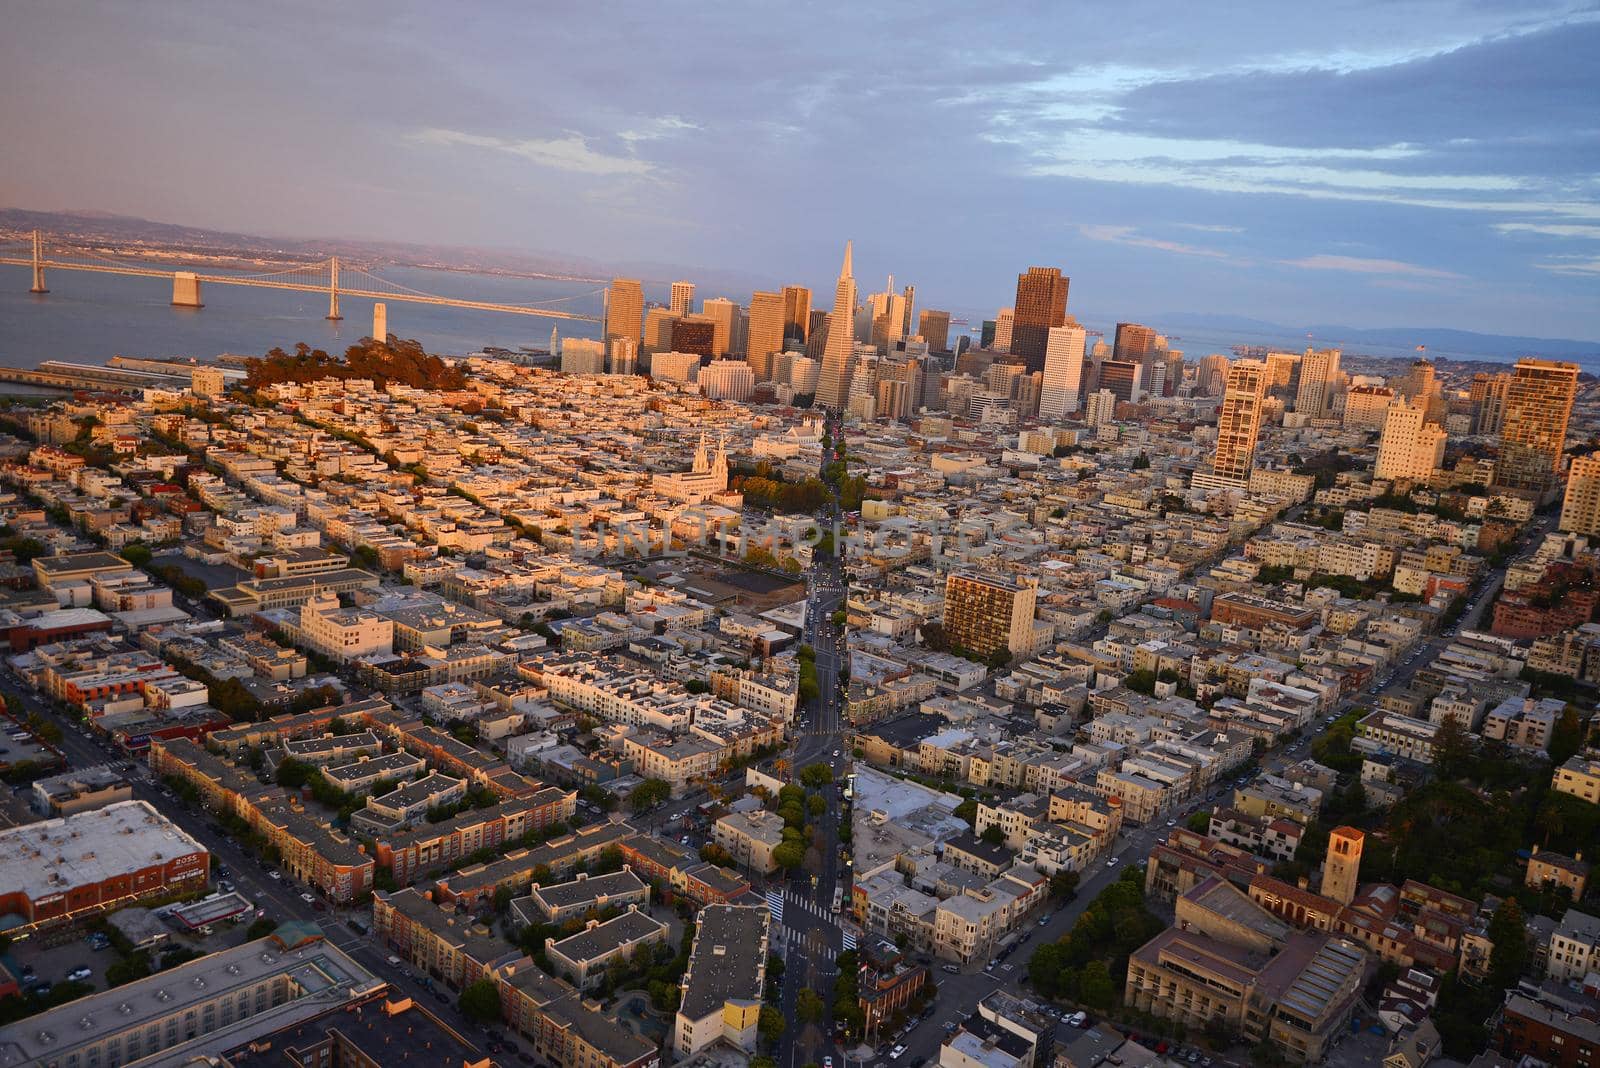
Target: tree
993, 836
1567, 737
137, 554
808, 1005
771, 1024
1508, 930
649, 794
481, 1001
1095, 988
816, 776
1199, 822
1452, 749
1064, 885
967, 810
789, 855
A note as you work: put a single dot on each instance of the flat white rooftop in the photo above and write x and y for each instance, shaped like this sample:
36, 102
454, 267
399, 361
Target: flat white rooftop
53, 856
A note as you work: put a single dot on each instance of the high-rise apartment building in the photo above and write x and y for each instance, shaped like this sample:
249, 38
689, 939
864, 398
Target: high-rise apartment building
582, 356
833, 384
796, 313
1121, 377
724, 316
1419, 381
1003, 325
1041, 304
1366, 406
766, 332
934, 326
727, 380
1239, 422
625, 309
1580, 510
1063, 372
988, 613
1319, 369
1534, 430
1212, 375
1100, 407
682, 302
1133, 341
1411, 448
1488, 396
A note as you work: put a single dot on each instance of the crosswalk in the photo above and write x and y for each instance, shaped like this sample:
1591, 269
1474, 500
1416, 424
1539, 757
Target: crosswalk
849, 940
797, 900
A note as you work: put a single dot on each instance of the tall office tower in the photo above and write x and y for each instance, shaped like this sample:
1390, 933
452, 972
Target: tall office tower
1341, 871
1174, 377
1025, 394
893, 397
1100, 407
1040, 305
796, 313
1488, 396
963, 343
1411, 448
1365, 407
1239, 422
934, 326
1004, 324
1534, 430
1419, 380
988, 333
911, 309
817, 335
1319, 368
1121, 377
1063, 372
1282, 371
1212, 375
682, 298
888, 310
693, 334
622, 355
833, 385
625, 309
1580, 510
658, 330
1133, 341
1002, 374
766, 333
724, 316
989, 613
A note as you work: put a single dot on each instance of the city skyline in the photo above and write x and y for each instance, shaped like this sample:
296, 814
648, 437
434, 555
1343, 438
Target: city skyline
1428, 166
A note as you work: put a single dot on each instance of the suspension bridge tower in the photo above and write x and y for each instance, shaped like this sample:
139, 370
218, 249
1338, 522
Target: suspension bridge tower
333, 289
38, 266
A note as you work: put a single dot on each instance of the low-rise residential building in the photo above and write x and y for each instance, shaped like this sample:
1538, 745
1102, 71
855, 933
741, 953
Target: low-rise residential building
722, 989
582, 957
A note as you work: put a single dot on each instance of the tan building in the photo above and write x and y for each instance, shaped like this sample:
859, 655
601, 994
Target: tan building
765, 333
583, 957
1580, 509
1341, 870
750, 838
1580, 777
722, 988
625, 309
1411, 448
1366, 406
988, 613
1239, 423
1534, 431
833, 383
1546, 870
682, 301
1319, 371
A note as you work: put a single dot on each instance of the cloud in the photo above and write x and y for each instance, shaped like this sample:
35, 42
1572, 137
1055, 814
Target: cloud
656, 129
1574, 266
1549, 229
1127, 235
1358, 265
1210, 228
569, 153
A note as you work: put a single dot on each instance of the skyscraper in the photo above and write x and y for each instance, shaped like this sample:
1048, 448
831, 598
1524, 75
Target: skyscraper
1318, 370
625, 309
724, 316
1005, 320
1212, 375
1239, 423
1411, 448
1580, 510
888, 310
833, 384
766, 332
1063, 372
1041, 304
695, 334
796, 313
1133, 341
1121, 377
911, 309
934, 326
988, 614
682, 298
1488, 395
658, 330
1538, 405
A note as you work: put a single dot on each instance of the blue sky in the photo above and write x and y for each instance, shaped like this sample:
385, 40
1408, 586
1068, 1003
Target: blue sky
1372, 164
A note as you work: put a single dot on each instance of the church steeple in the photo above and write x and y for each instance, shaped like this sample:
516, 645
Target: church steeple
701, 463
719, 470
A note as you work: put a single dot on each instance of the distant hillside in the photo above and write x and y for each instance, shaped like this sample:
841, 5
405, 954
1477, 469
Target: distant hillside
1438, 339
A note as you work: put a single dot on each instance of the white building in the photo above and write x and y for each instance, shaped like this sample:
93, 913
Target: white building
727, 380
1411, 448
1063, 372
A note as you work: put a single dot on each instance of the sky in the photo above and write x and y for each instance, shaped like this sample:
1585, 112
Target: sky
1426, 163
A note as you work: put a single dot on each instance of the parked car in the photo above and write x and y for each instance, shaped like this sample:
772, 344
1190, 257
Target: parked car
77, 975
896, 1053
308, 898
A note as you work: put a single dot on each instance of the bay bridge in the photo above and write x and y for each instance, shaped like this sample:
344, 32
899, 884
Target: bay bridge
328, 276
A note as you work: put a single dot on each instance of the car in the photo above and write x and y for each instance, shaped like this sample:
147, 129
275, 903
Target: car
77, 975
275, 874
307, 897
827, 1062
1172, 823
42, 989
951, 968
227, 886
896, 1053
1112, 863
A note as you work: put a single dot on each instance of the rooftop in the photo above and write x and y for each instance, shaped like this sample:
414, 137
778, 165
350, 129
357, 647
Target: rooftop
53, 856
729, 960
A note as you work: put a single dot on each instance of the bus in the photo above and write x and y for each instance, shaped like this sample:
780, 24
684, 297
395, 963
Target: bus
838, 898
